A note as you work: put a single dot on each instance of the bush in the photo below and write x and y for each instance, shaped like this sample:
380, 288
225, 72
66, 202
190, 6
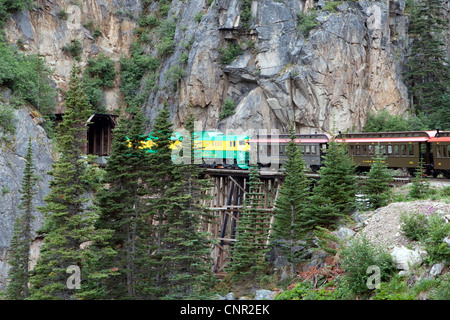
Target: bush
306, 22
231, 52
384, 121
62, 14
356, 259
175, 73
75, 48
28, 77
102, 68
414, 226
442, 292
132, 70
296, 292
227, 109
7, 120
437, 249
166, 33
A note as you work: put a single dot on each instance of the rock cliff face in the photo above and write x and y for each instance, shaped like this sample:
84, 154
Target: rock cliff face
42, 31
349, 64
12, 164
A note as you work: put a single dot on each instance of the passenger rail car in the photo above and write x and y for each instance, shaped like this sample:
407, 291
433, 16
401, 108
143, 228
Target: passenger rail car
440, 145
272, 149
403, 150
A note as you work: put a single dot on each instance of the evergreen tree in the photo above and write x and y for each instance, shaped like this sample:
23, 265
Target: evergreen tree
377, 186
428, 74
163, 202
252, 236
68, 223
335, 193
186, 247
120, 204
419, 188
290, 206
18, 257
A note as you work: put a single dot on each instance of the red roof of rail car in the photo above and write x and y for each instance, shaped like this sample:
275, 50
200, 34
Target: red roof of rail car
321, 138
444, 136
426, 136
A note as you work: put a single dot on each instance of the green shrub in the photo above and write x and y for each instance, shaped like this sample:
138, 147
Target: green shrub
175, 73
149, 20
442, 292
331, 5
396, 289
297, 292
28, 77
62, 14
198, 17
306, 22
7, 120
227, 109
184, 58
356, 259
414, 225
231, 52
75, 48
102, 68
384, 121
166, 32
132, 70
435, 246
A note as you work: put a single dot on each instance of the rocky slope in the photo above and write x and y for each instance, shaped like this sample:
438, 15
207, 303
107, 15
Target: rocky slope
348, 65
12, 164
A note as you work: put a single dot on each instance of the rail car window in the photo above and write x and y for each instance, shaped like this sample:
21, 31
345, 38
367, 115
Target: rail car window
307, 150
358, 150
352, 150
396, 149
389, 150
403, 150
313, 149
383, 149
242, 143
364, 150
410, 150
370, 150
448, 151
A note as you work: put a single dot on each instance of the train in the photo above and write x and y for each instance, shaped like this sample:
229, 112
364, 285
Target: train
403, 150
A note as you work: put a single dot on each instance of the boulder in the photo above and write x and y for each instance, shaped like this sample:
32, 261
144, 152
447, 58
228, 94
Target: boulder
436, 269
264, 294
405, 258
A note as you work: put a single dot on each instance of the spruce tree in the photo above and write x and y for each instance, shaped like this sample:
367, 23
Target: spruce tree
185, 245
335, 193
162, 202
290, 206
119, 204
419, 187
428, 69
249, 261
377, 186
68, 223
18, 256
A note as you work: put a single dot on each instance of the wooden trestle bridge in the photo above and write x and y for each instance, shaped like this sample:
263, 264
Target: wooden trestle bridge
227, 196
226, 199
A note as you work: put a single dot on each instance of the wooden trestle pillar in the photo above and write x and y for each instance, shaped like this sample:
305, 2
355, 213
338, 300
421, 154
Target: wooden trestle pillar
227, 196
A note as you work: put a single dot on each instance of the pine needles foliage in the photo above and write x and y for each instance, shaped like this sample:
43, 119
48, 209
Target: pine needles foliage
377, 186
18, 256
249, 261
68, 220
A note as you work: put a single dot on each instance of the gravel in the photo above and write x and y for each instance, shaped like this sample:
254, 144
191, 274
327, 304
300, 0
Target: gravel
382, 228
